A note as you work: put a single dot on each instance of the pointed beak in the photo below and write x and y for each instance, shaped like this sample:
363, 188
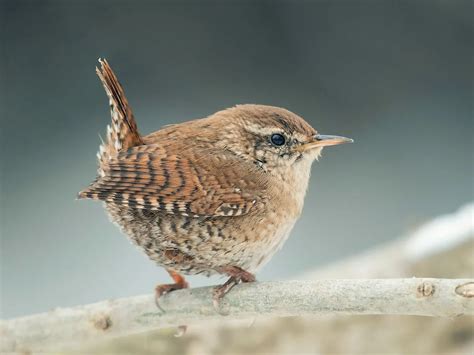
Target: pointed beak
322, 140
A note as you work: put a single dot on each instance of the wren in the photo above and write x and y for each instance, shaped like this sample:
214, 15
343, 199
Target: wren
217, 195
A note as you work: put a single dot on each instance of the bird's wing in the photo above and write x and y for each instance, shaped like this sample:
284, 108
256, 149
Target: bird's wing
187, 183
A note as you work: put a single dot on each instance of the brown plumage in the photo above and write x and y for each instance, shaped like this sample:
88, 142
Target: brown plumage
217, 195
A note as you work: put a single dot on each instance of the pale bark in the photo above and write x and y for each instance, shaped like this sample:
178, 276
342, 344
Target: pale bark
121, 317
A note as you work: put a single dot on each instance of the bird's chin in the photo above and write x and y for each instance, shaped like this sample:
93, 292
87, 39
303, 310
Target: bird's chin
314, 153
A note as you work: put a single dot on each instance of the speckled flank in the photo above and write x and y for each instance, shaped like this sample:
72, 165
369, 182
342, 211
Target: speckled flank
200, 245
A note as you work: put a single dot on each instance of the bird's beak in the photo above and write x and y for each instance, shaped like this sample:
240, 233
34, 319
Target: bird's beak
322, 140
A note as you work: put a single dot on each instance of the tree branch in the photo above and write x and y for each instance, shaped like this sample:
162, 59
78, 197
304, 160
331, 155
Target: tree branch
423, 297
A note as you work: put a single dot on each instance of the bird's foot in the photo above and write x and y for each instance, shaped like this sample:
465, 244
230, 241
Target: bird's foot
237, 275
162, 290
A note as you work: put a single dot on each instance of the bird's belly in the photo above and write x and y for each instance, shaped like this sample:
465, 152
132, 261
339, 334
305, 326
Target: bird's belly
269, 243
203, 245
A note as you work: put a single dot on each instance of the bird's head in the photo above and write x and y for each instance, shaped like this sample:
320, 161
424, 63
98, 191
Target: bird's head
272, 138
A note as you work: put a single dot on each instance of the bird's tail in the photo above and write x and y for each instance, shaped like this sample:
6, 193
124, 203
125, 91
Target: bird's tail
122, 133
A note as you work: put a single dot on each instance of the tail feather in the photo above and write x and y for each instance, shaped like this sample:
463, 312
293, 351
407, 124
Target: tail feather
123, 132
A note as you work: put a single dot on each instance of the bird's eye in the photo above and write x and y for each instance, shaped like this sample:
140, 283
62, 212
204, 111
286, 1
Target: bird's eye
277, 139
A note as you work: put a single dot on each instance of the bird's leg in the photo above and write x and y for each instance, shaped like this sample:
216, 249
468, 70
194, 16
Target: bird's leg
237, 275
160, 290
179, 283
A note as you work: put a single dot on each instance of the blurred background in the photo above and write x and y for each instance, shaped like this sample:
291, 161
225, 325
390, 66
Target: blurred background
396, 76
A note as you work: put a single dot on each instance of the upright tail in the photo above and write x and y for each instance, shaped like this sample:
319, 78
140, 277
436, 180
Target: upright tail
123, 132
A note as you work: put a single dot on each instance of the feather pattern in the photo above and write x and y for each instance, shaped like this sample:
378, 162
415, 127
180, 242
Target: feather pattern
123, 132
191, 184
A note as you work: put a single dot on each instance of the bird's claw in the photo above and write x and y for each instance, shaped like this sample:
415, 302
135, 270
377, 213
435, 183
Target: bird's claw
219, 292
237, 275
216, 302
160, 291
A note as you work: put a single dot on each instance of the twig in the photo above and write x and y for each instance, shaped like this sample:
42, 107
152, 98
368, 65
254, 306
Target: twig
72, 326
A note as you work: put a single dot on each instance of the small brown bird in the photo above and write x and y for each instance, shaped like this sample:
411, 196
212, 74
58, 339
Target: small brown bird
217, 195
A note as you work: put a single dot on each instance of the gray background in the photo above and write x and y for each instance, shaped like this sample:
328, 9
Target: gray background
394, 75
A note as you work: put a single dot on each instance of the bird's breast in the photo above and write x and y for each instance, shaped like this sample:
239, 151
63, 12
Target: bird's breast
273, 224
289, 190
